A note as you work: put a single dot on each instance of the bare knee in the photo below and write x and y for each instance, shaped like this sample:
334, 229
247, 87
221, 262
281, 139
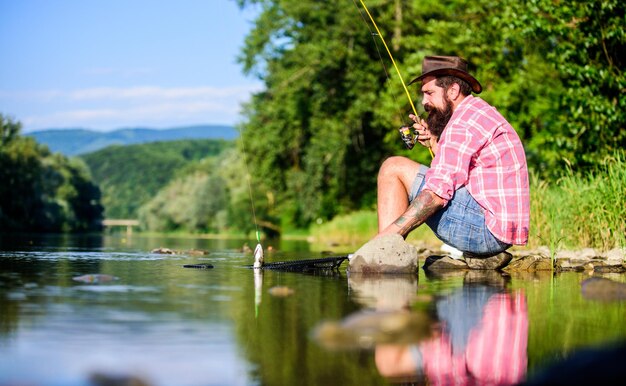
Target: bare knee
397, 167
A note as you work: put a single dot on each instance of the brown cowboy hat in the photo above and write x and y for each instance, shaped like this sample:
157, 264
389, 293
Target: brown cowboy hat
448, 65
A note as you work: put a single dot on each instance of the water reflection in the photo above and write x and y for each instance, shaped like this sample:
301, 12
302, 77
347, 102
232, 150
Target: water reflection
477, 334
481, 338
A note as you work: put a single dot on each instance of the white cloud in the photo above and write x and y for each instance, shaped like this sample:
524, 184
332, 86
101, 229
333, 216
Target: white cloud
107, 108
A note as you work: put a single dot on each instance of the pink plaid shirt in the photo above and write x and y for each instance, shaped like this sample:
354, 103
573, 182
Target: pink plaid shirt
480, 150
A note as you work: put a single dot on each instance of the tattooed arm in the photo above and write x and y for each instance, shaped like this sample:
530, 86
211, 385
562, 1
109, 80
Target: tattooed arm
425, 205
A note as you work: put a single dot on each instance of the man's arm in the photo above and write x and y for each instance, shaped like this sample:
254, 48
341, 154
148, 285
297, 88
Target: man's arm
425, 205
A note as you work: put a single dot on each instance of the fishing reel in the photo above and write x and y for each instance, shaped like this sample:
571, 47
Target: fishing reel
408, 138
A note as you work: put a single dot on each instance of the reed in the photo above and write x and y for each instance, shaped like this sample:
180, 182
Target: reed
581, 210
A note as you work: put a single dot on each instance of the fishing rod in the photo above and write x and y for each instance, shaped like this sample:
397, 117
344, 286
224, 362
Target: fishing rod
405, 133
258, 251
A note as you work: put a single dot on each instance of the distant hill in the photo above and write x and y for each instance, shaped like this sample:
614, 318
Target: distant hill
80, 141
129, 176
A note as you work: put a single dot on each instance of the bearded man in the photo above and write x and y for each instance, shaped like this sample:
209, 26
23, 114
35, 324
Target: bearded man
475, 195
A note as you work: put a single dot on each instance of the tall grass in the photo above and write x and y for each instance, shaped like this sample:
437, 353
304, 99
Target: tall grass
576, 211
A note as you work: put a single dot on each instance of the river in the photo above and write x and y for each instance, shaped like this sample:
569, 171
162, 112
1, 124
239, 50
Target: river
86, 310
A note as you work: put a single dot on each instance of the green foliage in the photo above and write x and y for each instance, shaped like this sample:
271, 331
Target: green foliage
329, 113
210, 196
130, 176
195, 202
43, 191
585, 42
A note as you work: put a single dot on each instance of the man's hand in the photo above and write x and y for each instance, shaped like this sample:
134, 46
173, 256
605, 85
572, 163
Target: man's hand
422, 132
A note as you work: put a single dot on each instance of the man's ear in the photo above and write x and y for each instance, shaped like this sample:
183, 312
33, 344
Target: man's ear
453, 91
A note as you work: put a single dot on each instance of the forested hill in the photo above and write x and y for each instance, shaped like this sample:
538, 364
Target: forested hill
80, 141
129, 176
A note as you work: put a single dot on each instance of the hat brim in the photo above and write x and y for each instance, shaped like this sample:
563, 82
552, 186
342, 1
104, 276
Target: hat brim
474, 84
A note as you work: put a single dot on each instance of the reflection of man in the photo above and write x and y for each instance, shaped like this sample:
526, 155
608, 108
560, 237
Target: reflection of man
482, 340
475, 195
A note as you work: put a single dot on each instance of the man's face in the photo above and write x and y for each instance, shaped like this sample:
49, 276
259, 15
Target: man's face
437, 104
432, 95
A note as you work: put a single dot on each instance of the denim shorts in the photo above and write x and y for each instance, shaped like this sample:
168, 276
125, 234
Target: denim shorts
461, 223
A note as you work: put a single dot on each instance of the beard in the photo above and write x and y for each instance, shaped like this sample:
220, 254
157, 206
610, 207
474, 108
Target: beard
438, 118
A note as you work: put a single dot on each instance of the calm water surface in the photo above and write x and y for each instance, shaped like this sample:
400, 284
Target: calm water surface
169, 325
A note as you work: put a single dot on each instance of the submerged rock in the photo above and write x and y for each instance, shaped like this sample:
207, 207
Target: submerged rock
365, 330
599, 288
168, 251
96, 278
163, 251
198, 266
281, 291
385, 254
104, 379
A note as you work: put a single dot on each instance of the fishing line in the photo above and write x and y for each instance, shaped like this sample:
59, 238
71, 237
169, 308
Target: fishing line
380, 56
382, 39
248, 178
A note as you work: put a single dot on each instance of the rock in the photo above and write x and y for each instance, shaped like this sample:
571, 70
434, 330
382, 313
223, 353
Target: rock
583, 254
496, 262
616, 254
366, 329
385, 254
163, 251
567, 264
104, 379
530, 263
191, 252
198, 266
96, 278
598, 288
281, 291
435, 263
196, 252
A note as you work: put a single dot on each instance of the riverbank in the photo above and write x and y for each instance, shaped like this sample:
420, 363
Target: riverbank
539, 259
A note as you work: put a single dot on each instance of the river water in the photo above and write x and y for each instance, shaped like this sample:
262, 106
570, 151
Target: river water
151, 320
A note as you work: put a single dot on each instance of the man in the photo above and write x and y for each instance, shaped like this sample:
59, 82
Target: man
475, 194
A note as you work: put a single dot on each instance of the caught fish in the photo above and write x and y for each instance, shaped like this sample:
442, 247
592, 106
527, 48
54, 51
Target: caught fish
258, 256
97, 278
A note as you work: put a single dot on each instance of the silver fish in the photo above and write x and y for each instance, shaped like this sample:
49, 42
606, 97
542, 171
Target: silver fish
258, 256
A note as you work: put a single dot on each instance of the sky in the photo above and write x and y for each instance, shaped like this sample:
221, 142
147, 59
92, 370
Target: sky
106, 65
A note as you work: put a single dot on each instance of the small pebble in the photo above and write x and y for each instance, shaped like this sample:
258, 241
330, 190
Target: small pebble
281, 291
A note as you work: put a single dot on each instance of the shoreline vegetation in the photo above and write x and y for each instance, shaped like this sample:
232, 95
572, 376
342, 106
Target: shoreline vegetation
574, 212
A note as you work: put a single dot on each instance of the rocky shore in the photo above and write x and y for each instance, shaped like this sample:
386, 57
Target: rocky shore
540, 259
391, 254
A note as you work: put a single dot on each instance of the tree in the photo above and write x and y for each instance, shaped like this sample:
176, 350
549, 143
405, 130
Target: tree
41, 191
329, 113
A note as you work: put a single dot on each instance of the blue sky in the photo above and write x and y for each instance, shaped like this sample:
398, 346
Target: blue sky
110, 64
